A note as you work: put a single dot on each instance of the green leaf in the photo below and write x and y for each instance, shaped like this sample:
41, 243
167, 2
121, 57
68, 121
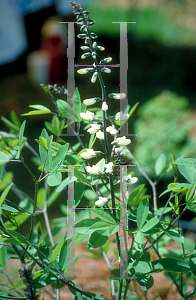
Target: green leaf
5, 192
54, 179
103, 215
162, 210
4, 158
160, 164
3, 257
21, 133
180, 185
18, 284
66, 110
187, 172
79, 191
83, 226
60, 156
9, 124
100, 225
192, 264
142, 212
90, 194
40, 107
98, 238
77, 103
81, 177
19, 237
146, 281
9, 208
42, 142
101, 164
192, 204
64, 183
170, 264
63, 257
41, 197
56, 251
150, 224
190, 162
139, 241
190, 192
92, 141
143, 267
174, 235
37, 112
15, 119
136, 192
43, 153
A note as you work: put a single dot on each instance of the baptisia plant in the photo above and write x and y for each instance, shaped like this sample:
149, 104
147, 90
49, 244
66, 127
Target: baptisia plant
95, 172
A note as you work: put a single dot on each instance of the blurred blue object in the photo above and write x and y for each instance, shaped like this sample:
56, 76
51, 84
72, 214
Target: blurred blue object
13, 39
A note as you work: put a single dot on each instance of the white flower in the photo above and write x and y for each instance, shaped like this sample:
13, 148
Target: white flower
100, 135
101, 202
118, 96
121, 116
90, 153
85, 71
88, 116
109, 167
122, 141
112, 130
90, 101
122, 151
129, 179
93, 170
104, 106
94, 128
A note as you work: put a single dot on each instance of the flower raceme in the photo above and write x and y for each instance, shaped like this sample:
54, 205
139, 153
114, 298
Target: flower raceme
122, 141
101, 202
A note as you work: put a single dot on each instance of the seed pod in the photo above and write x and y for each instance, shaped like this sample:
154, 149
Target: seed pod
85, 71
93, 35
105, 70
85, 55
87, 40
105, 60
85, 48
94, 77
93, 55
100, 48
82, 35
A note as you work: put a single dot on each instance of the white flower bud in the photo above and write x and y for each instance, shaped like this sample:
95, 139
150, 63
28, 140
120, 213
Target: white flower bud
100, 48
82, 35
112, 130
90, 101
104, 106
118, 96
101, 202
88, 116
94, 77
90, 153
94, 128
129, 179
85, 48
121, 151
100, 135
122, 141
